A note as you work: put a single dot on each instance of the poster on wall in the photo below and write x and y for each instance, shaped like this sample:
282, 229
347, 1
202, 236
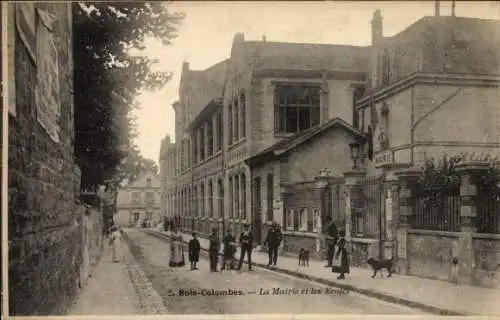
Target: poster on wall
25, 24
47, 86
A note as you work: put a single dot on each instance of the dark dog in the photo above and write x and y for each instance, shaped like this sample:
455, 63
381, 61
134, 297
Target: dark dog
303, 257
377, 265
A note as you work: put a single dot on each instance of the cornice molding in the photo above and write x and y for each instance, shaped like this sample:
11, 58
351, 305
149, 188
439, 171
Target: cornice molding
320, 74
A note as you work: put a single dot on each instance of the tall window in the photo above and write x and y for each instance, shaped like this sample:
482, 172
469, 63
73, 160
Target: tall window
243, 189
386, 75
289, 219
195, 148
188, 153
210, 138
202, 200
256, 203
231, 197
356, 96
270, 197
316, 220
303, 219
230, 124
210, 199
220, 131
237, 196
220, 186
195, 202
136, 197
201, 143
243, 115
236, 135
148, 182
296, 107
149, 198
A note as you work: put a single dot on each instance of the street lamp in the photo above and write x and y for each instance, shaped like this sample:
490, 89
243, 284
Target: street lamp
355, 153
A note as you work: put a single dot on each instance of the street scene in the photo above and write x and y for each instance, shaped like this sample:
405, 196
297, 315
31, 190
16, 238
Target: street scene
208, 158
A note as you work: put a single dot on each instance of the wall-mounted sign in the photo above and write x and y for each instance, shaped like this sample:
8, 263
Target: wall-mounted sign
383, 158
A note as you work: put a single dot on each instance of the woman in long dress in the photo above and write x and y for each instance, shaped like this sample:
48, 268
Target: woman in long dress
115, 243
340, 263
176, 250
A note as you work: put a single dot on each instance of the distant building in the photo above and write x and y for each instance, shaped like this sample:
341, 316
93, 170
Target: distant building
139, 202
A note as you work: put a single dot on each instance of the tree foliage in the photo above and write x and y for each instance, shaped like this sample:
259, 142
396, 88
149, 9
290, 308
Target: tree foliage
107, 77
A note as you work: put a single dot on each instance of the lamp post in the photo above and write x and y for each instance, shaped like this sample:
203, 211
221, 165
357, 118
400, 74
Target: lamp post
355, 149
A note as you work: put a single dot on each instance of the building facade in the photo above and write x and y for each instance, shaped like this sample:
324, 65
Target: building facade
138, 202
43, 180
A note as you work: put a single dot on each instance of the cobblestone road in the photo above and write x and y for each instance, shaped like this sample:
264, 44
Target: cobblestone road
178, 287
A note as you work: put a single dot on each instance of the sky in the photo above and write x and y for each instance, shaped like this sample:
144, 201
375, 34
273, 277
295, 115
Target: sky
206, 34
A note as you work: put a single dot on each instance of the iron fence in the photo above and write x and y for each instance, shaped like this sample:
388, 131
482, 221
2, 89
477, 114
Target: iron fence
437, 213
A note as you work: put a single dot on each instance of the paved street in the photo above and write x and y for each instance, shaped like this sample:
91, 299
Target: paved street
152, 255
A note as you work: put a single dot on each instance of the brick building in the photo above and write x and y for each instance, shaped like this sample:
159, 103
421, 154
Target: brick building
236, 109
138, 202
43, 231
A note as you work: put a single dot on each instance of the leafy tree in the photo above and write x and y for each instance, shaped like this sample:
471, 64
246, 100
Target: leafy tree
107, 77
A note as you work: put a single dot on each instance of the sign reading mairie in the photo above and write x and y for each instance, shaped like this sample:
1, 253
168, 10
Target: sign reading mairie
383, 158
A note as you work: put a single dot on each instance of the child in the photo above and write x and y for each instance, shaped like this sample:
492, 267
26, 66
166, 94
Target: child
194, 251
228, 251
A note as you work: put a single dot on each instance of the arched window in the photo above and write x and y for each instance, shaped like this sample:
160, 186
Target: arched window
386, 68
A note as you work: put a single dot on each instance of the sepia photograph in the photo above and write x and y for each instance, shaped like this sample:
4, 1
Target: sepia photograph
259, 158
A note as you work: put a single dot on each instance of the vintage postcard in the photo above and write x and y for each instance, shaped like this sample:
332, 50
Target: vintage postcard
258, 158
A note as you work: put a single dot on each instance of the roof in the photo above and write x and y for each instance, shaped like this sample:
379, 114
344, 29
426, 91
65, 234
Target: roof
284, 146
287, 55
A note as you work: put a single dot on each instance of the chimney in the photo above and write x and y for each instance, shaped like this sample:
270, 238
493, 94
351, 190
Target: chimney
453, 8
377, 32
436, 8
264, 38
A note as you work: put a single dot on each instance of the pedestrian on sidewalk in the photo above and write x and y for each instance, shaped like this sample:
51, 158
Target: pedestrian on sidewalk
229, 250
331, 241
340, 263
194, 251
213, 250
273, 241
115, 243
176, 250
246, 246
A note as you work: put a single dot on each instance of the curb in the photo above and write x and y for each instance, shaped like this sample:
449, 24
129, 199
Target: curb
366, 292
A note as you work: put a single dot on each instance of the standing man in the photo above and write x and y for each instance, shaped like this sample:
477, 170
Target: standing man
213, 250
246, 246
273, 241
194, 251
331, 241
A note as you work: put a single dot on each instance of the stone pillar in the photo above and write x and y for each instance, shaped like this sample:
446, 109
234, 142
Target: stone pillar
321, 185
468, 216
352, 181
407, 179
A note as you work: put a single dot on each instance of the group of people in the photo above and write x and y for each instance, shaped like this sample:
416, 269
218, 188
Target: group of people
246, 243
337, 256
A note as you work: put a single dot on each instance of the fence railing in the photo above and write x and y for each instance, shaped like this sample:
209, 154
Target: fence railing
488, 211
441, 214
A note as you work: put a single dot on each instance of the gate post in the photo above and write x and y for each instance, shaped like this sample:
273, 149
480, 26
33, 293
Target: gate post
407, 179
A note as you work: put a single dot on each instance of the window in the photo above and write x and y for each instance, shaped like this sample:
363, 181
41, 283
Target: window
136, 216
358, 223
290, 213
297, 107
201, 144
303, 219
237, 196
210, 199
188, 153
220, 131
356, 96
316, 220
149, 198
210, 138
243, 197
270, 197
220, 186
231, 197
236, 135
136, 197
243, 116
386, 76
183, 157
230, 124
195, 148
257, 199
194, 202
202, 200
148, 182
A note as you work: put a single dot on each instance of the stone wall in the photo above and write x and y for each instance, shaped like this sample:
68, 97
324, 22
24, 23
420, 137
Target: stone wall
487, 260
362, 249
430, 253
293, 241
44, 237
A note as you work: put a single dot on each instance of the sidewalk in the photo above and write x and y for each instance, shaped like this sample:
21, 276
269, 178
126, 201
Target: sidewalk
429, 295
109, 291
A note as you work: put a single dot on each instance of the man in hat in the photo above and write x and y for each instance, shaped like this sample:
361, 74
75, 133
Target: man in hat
246, 246
194, 251
213, 250
273, 241
331, 240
